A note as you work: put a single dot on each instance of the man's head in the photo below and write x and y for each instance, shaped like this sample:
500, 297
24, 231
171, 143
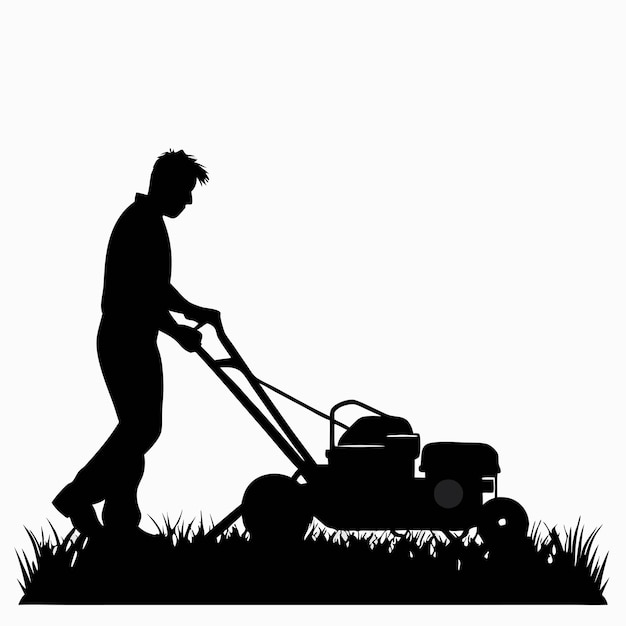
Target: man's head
173, 178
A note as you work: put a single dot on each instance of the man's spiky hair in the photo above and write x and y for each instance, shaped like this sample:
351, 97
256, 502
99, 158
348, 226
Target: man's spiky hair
172, 166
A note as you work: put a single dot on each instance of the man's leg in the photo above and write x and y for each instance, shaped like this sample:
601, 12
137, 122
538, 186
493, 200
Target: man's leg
121, 509
137, 392
131, 366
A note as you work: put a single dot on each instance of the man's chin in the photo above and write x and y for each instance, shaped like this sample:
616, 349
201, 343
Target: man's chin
173, 212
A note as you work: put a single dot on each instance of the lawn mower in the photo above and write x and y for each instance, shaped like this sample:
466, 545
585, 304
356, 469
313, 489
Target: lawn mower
369, 481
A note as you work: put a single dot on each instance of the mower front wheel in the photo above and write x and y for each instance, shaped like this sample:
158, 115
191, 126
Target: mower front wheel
275, 509
502, 522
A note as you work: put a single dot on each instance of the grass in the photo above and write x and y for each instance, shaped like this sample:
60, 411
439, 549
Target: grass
180, 566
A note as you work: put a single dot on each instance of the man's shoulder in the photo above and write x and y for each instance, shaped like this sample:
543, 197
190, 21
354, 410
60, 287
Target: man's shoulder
136, 213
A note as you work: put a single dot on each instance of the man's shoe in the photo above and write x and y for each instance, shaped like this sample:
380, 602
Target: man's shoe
81, 513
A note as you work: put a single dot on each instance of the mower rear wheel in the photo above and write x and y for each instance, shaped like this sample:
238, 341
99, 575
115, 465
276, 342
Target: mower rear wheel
502, 522
274, 509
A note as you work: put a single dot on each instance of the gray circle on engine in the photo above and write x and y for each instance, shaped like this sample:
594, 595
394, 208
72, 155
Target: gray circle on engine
448, 493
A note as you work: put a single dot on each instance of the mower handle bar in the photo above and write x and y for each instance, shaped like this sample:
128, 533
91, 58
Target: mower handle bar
286, 440
222, 334
283, 436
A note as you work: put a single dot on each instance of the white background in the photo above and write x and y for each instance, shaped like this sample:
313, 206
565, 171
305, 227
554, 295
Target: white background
417, 204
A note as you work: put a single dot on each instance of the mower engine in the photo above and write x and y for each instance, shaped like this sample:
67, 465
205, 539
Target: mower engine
376, 447
370, 480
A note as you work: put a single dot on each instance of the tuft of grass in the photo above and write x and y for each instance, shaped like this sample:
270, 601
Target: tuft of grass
181, 566
579, 554
53, 562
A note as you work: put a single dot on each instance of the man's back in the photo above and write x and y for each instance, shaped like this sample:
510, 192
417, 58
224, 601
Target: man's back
138, 264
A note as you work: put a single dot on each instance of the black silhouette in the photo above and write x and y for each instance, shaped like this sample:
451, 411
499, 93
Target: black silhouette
368, 483
136, 304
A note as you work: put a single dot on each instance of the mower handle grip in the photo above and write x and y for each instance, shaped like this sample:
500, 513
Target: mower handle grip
219, 329
199, 325
234, 359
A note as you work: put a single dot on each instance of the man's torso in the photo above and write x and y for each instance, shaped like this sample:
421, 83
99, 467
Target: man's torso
138, 265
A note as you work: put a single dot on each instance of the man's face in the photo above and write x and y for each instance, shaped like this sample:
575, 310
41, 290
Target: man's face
177, 198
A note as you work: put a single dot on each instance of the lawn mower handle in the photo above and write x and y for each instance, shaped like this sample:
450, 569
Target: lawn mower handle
283, 436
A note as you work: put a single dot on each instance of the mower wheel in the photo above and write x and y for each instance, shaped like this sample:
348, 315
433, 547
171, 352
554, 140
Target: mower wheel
502, 521
274, 509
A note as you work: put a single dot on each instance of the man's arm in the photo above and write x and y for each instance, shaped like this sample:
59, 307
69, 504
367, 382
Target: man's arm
188, 338
176, 302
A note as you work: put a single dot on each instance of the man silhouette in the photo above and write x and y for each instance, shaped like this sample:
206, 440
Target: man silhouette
137, 302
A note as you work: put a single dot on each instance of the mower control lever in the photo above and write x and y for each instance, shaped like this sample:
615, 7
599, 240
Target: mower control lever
339, 405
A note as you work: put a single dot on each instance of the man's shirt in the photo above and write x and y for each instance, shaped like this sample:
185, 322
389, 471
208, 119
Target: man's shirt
138, 265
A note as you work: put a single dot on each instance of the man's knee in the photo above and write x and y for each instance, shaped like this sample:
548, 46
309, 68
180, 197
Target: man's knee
149, 436
141, 437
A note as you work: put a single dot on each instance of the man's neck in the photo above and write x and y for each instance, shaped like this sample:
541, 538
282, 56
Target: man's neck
152, 201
